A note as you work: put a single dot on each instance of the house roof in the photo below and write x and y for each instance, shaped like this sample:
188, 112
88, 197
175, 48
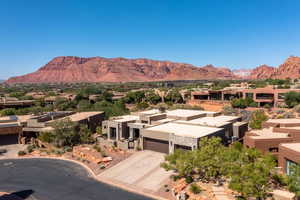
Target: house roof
187, 113
81, 116
267, 133
184, 130
125, 118
292, 146
285, 121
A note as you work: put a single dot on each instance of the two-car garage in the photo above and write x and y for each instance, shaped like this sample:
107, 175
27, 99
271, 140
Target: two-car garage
156, 145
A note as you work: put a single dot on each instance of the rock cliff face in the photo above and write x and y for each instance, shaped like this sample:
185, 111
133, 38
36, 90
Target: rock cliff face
289, 69
98, 69
262, 72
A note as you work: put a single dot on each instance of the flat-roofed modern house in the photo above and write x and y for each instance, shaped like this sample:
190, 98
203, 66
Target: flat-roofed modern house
231, 124
184, 114
165, 138
274, 132
136, 128
10, 130
262, 96
44, 123
289, 155
8, 102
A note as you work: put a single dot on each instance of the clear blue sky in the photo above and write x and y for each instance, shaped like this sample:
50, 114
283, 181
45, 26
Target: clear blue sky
232, 33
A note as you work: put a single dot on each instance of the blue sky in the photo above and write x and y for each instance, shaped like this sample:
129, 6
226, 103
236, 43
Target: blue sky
232, 33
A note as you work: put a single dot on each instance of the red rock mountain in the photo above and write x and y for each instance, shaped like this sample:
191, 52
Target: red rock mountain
289, 69
98, 69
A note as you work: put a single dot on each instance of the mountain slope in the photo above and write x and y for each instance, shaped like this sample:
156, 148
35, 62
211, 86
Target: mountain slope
289, 69
98, 69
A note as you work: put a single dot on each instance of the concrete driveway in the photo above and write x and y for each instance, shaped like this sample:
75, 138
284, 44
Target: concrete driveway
141, 170
12, 150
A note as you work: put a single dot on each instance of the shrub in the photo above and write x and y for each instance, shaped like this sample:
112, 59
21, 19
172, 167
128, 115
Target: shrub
297, 108
253, 104
281, 180
267, 106
288, 115
67, 149
228, 110
292, 99
97, 148
103, 153
189, 179
257, 118
30, 148
142, 105
21, 153
195, 189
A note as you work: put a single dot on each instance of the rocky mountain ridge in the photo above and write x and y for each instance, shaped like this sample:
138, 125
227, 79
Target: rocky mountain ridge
98, 69
70, 69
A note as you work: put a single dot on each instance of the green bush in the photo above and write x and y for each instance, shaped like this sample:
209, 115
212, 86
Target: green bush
257, 118
281, 180
292, 99
195, 189
21, 153
30, 148
67, 149
142, 105
189, 179
97, 148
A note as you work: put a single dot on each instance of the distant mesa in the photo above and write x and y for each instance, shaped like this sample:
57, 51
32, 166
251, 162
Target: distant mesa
70, 69
97, 69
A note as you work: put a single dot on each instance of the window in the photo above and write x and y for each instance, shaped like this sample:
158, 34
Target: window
273, 149
289, 164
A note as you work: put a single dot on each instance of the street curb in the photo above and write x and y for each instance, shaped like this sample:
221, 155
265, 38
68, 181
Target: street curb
93, 175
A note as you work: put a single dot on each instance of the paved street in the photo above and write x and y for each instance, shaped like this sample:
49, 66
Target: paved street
142, 170
51, 179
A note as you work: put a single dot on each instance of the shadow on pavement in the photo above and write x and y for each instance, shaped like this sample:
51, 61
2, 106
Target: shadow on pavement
20, 195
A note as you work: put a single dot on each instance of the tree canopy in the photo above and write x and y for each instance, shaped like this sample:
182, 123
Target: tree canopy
249, 171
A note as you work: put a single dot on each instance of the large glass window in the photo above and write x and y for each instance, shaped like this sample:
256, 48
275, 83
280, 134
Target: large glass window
289, 164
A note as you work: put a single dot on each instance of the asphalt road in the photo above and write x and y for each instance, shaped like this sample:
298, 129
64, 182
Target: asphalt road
51, 179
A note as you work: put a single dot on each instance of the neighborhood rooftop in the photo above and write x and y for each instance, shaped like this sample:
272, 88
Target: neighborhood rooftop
187, 113
284, 121
125, 118
184, 130
267, 133
292, 146
210, 121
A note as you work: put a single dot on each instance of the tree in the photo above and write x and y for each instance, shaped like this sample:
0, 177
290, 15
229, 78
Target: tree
294, 179
180, 161
292, 99
257, 118
206, 161
64, 133
85, 134
174, 96
248, 170
238, 103
84, 105
209, 158
8, 111
153, 98
142, 105
135, 97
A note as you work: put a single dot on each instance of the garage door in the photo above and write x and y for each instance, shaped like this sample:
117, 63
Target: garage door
156, 145
8, 139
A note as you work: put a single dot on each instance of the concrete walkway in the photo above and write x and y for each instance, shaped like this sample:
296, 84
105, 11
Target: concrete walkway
142, 170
